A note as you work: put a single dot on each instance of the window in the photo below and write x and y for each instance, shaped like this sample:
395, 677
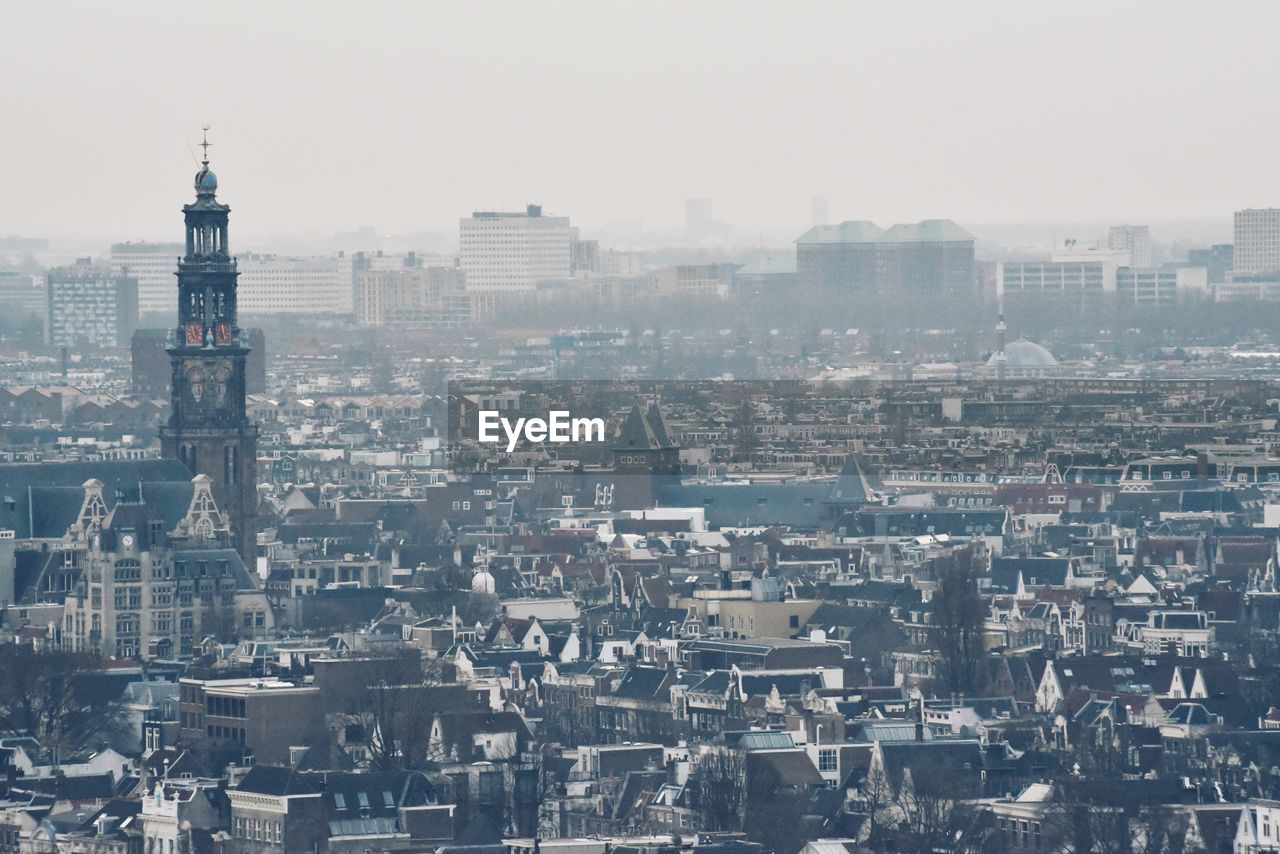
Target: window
828, 760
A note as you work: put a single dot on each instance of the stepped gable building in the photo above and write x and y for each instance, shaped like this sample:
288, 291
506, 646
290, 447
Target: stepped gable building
209, 429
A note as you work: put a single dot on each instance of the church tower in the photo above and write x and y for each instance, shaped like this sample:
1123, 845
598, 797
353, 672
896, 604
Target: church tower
209, 429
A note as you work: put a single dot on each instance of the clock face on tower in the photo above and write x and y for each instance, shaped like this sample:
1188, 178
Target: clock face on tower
195, 334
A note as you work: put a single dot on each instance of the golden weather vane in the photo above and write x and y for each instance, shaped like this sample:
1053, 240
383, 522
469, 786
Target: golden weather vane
204, 142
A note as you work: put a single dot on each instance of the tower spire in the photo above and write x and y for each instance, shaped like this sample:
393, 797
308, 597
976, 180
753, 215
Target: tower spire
209, 428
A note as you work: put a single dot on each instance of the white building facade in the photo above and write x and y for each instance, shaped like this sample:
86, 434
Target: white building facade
1257, 241
276, 284
505, 255
155, 266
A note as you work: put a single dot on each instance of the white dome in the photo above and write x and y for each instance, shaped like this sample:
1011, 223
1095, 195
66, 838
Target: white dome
1024, 354
482, 582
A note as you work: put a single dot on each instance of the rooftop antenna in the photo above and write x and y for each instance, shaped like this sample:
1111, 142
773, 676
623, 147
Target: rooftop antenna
1001, 358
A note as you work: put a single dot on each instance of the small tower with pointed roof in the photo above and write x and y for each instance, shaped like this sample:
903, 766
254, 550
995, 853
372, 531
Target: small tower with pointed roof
644, 456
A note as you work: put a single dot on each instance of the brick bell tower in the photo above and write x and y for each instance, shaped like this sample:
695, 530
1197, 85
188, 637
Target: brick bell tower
209, 429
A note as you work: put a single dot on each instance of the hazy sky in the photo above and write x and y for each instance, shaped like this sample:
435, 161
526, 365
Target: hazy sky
407, 115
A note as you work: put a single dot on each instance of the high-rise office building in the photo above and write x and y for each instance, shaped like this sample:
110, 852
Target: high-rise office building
155, 266
1134, 239
1257, 241
505, 255
91, 305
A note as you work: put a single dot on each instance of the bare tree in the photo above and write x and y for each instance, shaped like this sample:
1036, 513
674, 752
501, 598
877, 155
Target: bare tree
392, 710
1084, 820
959, 611
877, 795
717, 789
46, 695
933, 813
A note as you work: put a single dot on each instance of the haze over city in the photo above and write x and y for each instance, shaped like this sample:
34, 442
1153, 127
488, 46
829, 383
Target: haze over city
407, 116
639, 428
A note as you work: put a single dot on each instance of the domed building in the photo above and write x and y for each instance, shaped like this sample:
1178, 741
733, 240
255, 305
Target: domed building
1022, 359
1024, 354
483, 582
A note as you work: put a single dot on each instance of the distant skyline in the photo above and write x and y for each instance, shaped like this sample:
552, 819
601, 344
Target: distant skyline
408, 116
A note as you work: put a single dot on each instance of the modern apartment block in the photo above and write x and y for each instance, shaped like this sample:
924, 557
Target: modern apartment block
425, 297
1257, 241
269, 284
506, 254
90, 304
277, 284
